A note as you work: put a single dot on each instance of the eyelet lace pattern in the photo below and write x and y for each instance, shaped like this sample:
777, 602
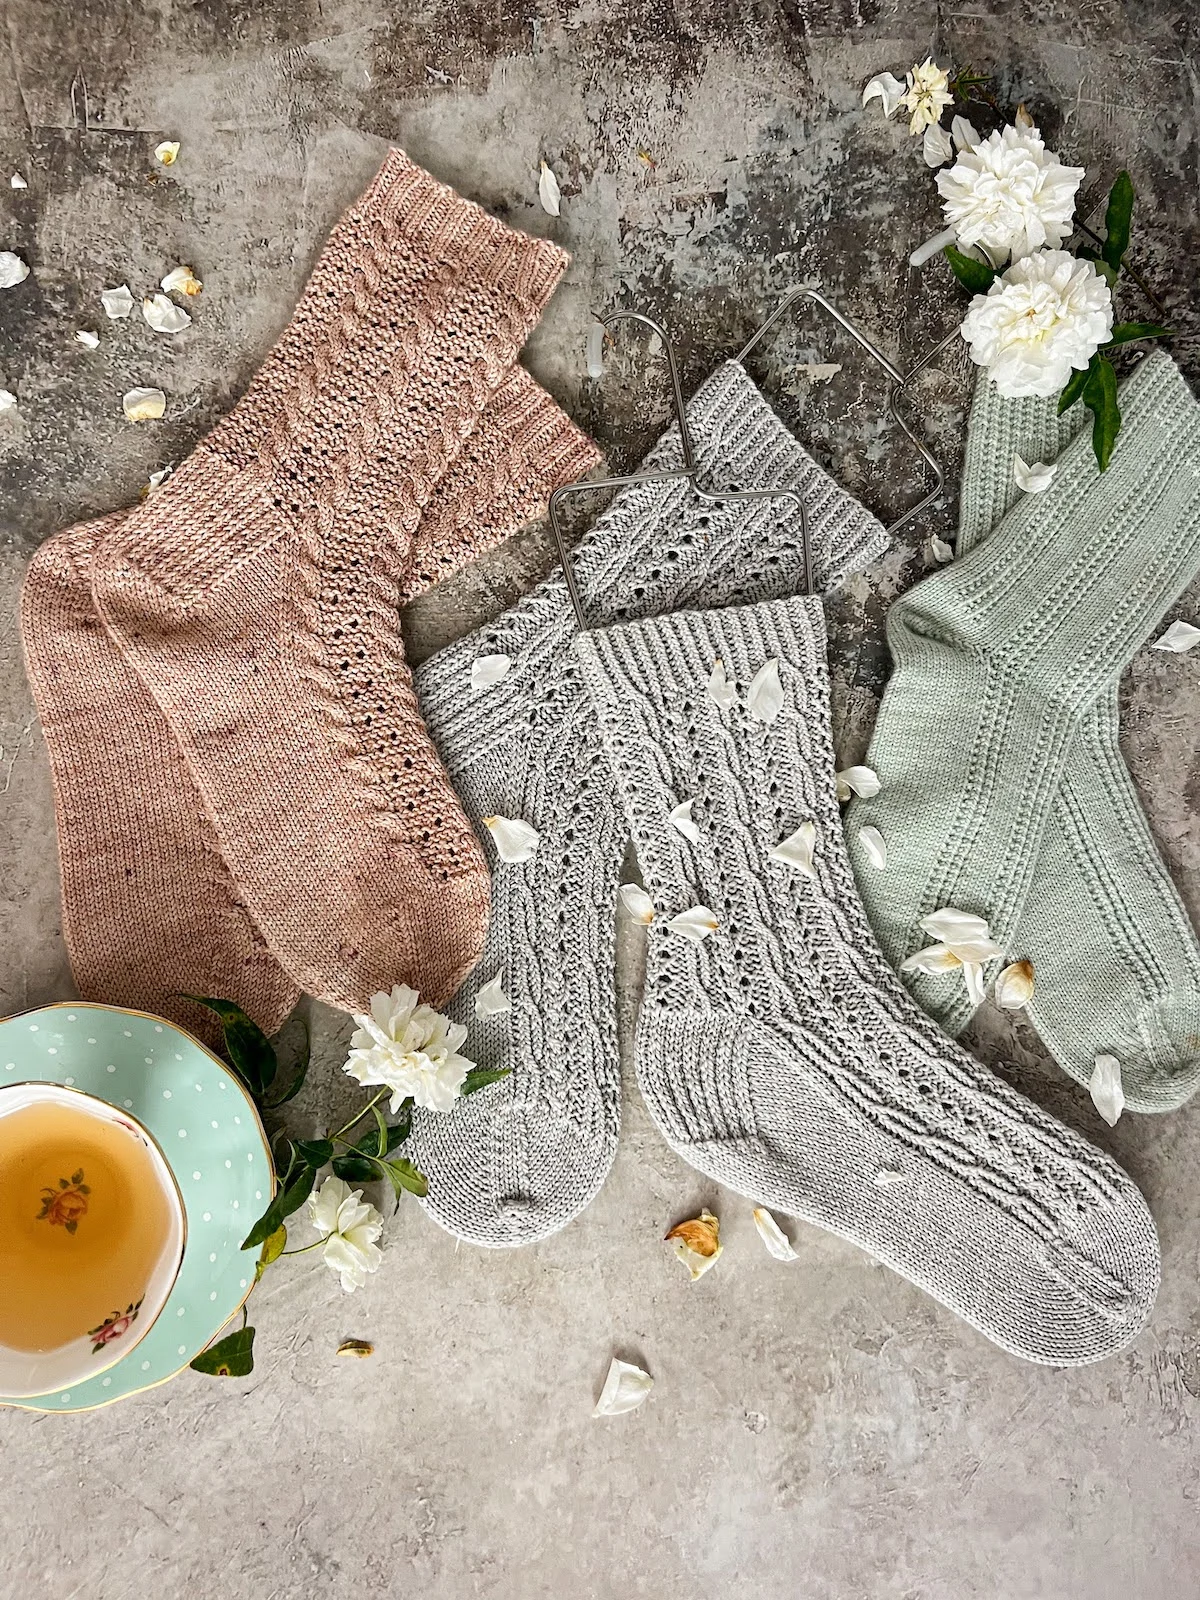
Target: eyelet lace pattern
523, 1157
784, 1058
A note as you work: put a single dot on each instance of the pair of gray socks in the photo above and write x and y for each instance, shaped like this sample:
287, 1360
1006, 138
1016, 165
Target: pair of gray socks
776, 1050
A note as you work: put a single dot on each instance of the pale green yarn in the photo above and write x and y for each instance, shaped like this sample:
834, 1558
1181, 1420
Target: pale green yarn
1024, 811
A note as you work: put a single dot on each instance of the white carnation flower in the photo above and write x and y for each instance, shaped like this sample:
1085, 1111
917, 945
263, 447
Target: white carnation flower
349, 1227
410, 1049
927, 95
1043, 318
1010, 194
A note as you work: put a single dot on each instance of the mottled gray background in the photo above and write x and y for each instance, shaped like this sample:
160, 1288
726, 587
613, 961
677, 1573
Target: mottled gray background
820, 1429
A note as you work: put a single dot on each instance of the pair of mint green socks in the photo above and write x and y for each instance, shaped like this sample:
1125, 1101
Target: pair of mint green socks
1003, 792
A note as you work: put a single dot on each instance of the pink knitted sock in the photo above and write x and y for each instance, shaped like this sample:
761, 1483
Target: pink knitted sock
256, 594
149, 907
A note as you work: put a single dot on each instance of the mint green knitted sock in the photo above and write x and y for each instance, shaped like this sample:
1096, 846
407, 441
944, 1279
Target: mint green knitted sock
1046, 836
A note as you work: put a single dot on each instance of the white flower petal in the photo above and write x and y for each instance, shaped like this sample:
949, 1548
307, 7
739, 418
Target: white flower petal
594, 350
1180, 636
936, 148
719, 689
886, 1177
873, 845
157, 479
625, 1388
883, 86
932, 247
696, 1244
940, 550
972, 972
1108, 1096
954, 926
963, 133
797, 850
144, 405
681, 820
773, 1236
12, 269
515, 840
695, 924
8, 400
488, 670
1014, 986
1035, 478
548, 191
862, 781
491, 1001
87, 338
167, 153
117, 303
638, 903
17, 182
163, 315
764, 699
935, 958
181, 280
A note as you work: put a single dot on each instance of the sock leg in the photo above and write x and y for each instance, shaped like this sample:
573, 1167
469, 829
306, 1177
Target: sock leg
1117, 962
149, 908
778, 1054
999, 661
257, 593
518, 1160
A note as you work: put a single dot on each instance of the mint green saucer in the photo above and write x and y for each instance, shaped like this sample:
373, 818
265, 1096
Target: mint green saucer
208, 1128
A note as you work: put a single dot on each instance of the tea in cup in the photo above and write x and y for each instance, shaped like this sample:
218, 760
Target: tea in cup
92, 1231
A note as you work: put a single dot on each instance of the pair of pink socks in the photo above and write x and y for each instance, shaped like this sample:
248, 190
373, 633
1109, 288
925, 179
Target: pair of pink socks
248, 802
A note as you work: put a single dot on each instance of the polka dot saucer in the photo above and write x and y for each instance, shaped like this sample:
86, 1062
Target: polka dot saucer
209, 1130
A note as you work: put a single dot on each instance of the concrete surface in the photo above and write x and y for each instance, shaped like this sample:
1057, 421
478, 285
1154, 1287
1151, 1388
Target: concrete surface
818, 1430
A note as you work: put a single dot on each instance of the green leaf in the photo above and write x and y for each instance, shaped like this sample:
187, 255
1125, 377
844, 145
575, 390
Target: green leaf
1102, 267
231, 1357
1127, 332
404, 1175
315, 1151
361, 1163
1100, 397
355, 1169
382, 1133
249, 1049
300, 1072
974, 275
271, 1251
1075, 387
479, 1078
284, 1203
1117, 221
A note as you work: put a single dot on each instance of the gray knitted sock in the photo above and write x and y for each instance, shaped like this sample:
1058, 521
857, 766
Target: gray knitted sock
1116, 962
518, 1160
780, 1055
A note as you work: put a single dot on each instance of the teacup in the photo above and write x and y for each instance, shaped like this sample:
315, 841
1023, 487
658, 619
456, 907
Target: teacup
92, 1232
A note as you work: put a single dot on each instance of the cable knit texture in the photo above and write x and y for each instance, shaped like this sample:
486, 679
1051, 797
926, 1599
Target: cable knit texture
256, 594
518, 1160
781, 1057
150, 907
1003, 787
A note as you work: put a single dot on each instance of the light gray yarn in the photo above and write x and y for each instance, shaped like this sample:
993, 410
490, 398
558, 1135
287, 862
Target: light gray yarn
783, 1058
518, 1160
